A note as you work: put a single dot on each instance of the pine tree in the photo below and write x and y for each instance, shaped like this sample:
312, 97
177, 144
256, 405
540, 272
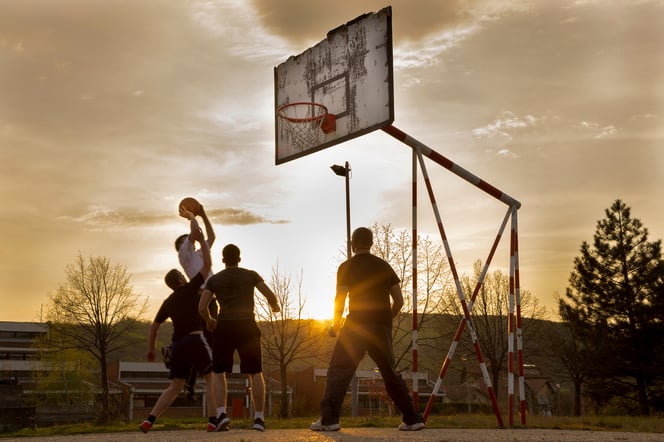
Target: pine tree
616, 285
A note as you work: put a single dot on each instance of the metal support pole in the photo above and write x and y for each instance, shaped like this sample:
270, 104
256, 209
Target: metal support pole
354, 382
416, 400
345, 172
422, 150
347, 175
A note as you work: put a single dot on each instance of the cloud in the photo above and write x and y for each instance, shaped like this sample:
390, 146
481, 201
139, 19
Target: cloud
597, 130
241, 217
429, 51
507, 153
102, 218
505, 125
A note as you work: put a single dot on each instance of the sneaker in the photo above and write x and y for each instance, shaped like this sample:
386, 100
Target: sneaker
145, 426
211, 427
222, 422
318, 426
259, 424
412, 427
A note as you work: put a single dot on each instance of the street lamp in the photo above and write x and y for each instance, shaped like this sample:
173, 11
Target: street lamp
344, 171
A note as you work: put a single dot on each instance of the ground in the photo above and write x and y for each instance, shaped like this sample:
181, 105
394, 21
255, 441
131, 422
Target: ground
365, 435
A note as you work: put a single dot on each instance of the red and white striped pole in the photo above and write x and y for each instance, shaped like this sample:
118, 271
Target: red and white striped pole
510, 336
519, 330
422, 149
451, 166
515, 329
414, 277
462, 324
462, 299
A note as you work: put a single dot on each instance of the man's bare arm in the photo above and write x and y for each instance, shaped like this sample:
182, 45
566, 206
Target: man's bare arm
197, 235
270, 296
193, 224
152, 338
208, 227
204, 312
397, 299
339, 306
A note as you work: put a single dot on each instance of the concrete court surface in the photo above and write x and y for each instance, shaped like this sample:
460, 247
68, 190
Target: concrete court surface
362, 435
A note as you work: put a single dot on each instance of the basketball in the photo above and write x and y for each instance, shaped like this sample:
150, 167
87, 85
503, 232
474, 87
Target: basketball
190, 204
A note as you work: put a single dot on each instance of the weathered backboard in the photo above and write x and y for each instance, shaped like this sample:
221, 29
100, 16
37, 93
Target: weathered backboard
350, 73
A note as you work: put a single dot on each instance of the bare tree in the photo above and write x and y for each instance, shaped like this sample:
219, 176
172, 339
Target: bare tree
490, 312
576, 347
288, 336
434, 282
434, 279
93, 309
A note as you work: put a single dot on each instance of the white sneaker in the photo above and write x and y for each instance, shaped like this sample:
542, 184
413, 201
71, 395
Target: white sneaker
413, 427
318, 426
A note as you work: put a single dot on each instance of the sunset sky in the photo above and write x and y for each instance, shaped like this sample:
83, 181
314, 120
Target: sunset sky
112, 111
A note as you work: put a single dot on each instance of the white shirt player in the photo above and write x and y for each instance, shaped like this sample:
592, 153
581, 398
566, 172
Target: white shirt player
191, 259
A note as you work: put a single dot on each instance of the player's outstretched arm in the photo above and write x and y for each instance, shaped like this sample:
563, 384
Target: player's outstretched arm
270, 296
197, 235
208, 227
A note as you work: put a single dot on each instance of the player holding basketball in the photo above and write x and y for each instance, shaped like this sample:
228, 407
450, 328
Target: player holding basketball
191, 259
189, 348
368, 282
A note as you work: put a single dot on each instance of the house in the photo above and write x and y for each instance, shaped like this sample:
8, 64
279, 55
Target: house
540, 390
18, 360
18, 357
23, 366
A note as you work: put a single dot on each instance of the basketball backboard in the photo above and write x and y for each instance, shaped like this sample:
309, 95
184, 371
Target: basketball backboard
348, 75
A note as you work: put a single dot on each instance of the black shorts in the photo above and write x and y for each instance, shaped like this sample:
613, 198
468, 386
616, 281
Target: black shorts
242, 335
190, 351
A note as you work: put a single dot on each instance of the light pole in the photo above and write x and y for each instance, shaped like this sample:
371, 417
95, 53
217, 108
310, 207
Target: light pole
344, 171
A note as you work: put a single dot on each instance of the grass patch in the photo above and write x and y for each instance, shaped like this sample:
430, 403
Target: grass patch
472, 421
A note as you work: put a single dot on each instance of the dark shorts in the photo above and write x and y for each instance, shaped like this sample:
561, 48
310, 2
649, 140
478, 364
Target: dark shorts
191, 351
243, 336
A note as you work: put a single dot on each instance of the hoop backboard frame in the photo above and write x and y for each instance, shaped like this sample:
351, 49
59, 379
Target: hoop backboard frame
350, 72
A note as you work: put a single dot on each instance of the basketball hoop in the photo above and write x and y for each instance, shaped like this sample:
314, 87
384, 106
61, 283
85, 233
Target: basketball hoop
303, 122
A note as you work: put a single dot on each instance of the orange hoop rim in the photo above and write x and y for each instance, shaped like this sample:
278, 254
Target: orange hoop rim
304, 119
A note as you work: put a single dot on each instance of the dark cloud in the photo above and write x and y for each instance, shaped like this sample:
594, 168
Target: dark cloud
309, 21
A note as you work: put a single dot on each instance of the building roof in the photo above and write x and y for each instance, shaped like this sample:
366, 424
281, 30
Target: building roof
34, 327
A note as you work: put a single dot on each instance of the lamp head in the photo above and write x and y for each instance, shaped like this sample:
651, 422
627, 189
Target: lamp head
339, 170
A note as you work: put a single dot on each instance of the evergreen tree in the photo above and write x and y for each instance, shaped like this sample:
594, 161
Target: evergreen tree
616, 286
